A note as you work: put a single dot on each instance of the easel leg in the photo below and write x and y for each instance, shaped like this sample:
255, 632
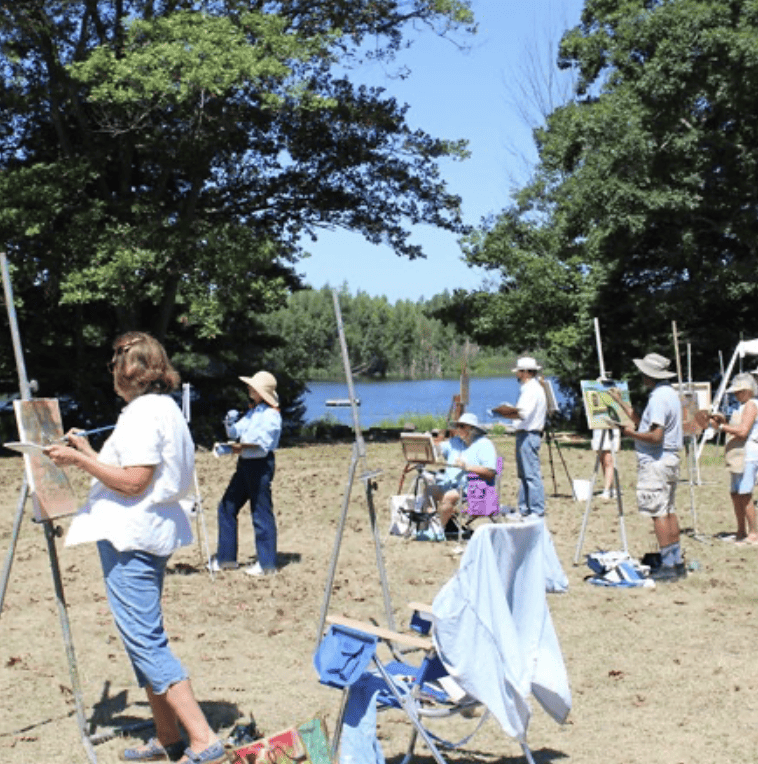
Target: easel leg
14, 540
619, 503
50, 534
587, 510
337, 545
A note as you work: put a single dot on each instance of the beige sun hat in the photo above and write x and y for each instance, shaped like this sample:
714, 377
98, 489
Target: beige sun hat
472, 420
527, 363
742, 381
264, 384
654, 366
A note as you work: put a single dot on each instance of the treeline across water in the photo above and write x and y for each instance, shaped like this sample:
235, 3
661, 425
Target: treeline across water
403, 340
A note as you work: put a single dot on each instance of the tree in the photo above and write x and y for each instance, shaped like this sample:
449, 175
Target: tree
161, 161
643, 206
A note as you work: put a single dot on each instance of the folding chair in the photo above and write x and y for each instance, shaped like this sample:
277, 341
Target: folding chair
416, 512
493, 644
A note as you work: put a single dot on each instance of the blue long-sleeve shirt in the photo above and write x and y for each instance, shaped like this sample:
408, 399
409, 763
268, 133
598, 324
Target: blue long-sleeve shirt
261, 426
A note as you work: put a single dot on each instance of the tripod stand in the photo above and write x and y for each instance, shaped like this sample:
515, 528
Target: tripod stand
550, 439
367, 476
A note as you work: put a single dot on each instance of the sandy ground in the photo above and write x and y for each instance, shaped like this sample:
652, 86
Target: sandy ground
657, 676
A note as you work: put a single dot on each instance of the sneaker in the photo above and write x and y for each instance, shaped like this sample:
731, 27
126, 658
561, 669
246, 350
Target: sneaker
256, 570
216, 567
154, 751
669, 573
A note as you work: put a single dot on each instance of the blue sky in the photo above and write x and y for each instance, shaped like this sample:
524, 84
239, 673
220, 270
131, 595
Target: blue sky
454, 94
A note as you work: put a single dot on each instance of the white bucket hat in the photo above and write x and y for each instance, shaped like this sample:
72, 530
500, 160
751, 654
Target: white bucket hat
471, 420
265, 385
527, 363
654, 366
742, 381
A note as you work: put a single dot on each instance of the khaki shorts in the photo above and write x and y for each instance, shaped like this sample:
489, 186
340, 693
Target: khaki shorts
656, 485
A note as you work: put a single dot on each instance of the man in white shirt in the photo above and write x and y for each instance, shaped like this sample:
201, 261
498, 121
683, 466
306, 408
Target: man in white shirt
531, 412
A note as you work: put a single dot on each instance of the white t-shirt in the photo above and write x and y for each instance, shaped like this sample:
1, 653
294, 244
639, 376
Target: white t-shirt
751, 442
150, 431
532, 406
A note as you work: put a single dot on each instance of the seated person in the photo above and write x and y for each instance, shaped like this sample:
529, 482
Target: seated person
468, 452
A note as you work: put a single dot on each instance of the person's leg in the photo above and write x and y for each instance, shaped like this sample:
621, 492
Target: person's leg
447, 506
134, 585
606, 462
260, 477
179, 703
534, 492
229, 508
522, 503
739, 504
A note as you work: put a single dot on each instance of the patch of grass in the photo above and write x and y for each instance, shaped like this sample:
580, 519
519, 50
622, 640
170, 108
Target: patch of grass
422, 422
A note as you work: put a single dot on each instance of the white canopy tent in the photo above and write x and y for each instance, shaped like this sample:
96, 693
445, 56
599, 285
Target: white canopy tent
746, 347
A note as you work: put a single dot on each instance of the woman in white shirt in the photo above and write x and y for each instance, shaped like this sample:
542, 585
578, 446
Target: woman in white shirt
134, 515
742, 483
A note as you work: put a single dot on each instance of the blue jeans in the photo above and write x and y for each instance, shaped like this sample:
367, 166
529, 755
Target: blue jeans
531, 493
134, 584
251, 482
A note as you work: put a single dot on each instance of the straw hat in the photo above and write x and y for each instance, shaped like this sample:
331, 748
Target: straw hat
527, 363
265, 385
654, 366
471, 420
743, 381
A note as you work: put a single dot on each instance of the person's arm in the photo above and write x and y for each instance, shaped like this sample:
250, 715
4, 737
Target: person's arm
626, 408
653, 437
485, 473
130, 481
742, 430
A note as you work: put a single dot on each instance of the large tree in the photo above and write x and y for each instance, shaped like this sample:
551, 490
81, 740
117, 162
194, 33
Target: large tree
643, 207
161, 159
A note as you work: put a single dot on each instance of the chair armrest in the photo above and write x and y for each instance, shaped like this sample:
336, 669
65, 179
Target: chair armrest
420, 607
388, 635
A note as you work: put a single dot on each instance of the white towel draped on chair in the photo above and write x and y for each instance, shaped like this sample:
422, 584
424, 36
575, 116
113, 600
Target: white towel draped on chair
493, 629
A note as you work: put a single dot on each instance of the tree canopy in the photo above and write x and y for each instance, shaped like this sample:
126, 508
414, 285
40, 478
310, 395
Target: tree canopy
161, 160
642, 208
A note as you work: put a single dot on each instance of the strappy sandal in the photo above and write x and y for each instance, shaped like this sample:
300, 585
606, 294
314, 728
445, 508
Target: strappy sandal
154, 751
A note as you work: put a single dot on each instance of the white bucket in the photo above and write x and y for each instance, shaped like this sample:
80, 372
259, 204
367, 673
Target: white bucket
582, 489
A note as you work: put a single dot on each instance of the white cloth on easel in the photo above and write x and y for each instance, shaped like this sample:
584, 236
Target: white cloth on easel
493, 630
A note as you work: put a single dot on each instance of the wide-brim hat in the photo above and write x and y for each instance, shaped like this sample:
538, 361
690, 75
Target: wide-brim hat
264, 384
654, 366
527, 363
743, 381
472, 420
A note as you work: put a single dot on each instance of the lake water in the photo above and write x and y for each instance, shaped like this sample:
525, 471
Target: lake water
382, 401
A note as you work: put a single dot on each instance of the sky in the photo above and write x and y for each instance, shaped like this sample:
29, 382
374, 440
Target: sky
454, 94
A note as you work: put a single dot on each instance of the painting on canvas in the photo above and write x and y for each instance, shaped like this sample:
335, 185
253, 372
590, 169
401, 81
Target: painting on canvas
39, 421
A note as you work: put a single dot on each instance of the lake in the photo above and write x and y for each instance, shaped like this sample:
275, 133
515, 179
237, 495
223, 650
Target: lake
382, 401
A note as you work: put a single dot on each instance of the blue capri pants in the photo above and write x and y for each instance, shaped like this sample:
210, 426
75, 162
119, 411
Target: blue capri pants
134, 584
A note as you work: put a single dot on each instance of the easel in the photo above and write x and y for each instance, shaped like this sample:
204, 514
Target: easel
552, 408
367, 476
616, 482
198, 497
51, 532
690, 449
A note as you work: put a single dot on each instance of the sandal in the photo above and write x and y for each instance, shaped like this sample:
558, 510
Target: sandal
154, 751
213, 754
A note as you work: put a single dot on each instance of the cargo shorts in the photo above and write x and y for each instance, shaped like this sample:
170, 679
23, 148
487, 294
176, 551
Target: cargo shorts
656, 485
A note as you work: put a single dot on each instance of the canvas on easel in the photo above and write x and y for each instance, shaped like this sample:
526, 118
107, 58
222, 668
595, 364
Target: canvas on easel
39, 422
695, 397
601, 409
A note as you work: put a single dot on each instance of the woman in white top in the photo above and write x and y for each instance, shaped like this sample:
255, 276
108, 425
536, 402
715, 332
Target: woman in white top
743, 387
134, 515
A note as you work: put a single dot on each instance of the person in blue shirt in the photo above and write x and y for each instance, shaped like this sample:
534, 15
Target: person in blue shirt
658, 439
468, 453
258, 434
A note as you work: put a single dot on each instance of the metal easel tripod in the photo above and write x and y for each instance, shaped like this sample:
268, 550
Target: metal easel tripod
367, 476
